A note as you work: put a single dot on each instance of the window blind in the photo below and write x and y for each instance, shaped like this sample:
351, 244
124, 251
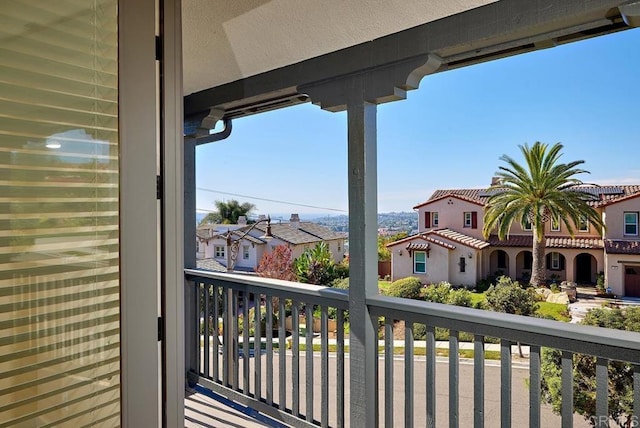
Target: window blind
59, 261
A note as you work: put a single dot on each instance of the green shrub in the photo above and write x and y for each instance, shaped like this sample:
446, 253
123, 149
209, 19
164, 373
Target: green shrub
460, 297
341, 283
483, 285
437, 293
507, 296
409, 288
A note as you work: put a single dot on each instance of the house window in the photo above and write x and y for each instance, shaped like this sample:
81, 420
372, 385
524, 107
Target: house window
526, 225
555, 261
631, 224
471, 219
245, 252
427, 219
555, 224
583, 224
463, 264
219, 251
434, 219
419, 262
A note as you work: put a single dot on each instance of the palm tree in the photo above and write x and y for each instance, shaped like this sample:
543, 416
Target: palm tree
228, 212
535, 193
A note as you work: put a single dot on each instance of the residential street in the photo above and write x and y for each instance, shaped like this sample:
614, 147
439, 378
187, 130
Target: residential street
519, 409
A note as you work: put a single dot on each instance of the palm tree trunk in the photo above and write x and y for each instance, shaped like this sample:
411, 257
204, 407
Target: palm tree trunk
538, 271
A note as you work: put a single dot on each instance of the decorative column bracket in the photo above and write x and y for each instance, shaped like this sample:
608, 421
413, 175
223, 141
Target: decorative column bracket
382, 84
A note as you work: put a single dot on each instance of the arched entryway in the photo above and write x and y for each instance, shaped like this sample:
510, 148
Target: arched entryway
524, 262
499, 263
585, 268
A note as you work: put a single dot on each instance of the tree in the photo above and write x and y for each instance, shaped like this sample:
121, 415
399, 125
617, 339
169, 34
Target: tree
541, 190
277, 264
384, 254
620, 382
228, 212
315, 265
507, 296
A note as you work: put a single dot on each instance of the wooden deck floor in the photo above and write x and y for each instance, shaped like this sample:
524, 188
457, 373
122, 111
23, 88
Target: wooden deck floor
202, 411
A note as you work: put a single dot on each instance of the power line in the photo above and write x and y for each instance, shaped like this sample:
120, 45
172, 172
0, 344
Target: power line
268, 200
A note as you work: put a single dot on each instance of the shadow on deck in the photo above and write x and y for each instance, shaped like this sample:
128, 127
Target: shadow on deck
205, 409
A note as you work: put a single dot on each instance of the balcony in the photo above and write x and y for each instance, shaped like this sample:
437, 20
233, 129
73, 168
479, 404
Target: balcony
300, 375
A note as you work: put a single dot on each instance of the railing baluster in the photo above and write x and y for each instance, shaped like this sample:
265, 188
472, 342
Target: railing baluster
567, 389
269, 350
454, 379
534, 386
216, 333
431, 376
309, 362
295, 360
388, 372
257, 347
478, 381
602, 389
226, 340
282, 354
505, 383
636, 391
245, 342
340, 408
206, 331
324, 349
408, 375
199, 289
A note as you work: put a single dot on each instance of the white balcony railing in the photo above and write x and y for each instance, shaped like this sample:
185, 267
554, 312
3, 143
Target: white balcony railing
297, 374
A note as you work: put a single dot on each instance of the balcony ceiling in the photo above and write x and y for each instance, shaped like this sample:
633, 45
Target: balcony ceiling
225, 41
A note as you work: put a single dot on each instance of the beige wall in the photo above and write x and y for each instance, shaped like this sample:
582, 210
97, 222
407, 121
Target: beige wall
615, 270
442, 264
614, 218
450, 212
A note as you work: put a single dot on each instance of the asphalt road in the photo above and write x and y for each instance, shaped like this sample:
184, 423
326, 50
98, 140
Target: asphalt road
520, 392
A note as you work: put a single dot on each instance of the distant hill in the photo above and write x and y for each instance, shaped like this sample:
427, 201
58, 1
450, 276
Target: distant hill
392, 222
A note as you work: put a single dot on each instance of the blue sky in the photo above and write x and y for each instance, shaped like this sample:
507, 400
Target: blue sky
449, 133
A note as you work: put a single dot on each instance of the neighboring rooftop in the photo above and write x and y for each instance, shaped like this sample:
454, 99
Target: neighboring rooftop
605, 194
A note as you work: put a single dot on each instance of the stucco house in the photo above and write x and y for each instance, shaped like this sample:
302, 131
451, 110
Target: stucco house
297, 235
450, 246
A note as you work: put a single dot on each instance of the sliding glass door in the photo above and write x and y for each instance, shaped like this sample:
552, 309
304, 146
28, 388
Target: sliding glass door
59, 214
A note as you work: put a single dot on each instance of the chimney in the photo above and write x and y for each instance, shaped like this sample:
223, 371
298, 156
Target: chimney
242, 220
295, 221
495, 181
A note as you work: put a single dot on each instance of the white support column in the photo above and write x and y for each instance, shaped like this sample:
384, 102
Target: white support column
363, 273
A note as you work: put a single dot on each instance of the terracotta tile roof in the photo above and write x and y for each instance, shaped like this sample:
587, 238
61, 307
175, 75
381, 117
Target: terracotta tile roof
439, 242
614, 246
568, 242
607, 194
511, 241
460, 238
417, 246
552, 242
469, 195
